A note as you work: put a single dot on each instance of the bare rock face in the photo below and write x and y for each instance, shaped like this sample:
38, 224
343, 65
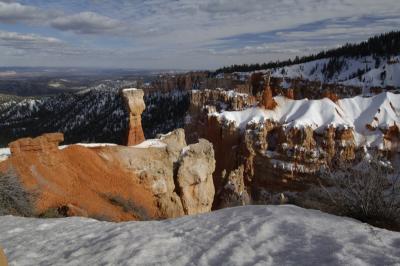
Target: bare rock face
391, 139
289, 93
194, 178
160, 178
267, 155
208, 101
332, 96
221, 99
3, 258
267, 100
134, 103
234, 191
45, 143
175, 142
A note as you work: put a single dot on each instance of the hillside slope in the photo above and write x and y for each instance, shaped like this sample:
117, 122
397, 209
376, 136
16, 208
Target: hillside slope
372, 63
93, 115
350, 71
251, 235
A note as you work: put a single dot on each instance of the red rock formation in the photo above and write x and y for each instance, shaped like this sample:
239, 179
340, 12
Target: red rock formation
3, 258
391, 139
79, 177
208, 101
115, 183
134, 103
289, 93
332, 96
273, 158
267, 100
329, 143
345, 144
45, 143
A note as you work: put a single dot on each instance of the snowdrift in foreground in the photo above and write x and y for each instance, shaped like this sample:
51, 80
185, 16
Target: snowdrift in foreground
380, 112
251, 235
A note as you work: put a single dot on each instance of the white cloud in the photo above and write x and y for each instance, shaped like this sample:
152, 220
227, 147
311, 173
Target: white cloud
12, 12
191, 33
17, 40
86, 23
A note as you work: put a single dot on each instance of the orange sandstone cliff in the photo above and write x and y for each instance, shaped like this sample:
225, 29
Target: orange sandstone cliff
158, 179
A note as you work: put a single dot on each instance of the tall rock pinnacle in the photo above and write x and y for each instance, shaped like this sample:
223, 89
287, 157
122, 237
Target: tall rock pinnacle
134, 103
267, 101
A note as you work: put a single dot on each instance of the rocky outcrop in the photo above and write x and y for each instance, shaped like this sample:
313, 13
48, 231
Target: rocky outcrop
289, 93
44, 143
3, 258
267, 100
331, 95
392, 139
179, 176
233, 192
209, 101
221, 99
198, 80
160, 178
194, 178
263, 154
134, 104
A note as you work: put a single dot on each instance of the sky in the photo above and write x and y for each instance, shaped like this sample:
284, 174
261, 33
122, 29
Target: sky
182, 34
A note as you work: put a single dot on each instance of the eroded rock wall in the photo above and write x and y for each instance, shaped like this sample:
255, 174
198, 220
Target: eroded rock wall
160, 178
270, 156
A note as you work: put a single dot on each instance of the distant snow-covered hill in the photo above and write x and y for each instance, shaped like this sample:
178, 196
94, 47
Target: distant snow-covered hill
250, 235
363, 72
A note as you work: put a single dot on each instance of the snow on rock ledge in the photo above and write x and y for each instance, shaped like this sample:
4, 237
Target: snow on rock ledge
367, 116
262, 235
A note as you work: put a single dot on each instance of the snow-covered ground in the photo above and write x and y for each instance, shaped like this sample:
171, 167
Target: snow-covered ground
374, 72
151, 143
89, 145
251, 235
4, 154
379, 111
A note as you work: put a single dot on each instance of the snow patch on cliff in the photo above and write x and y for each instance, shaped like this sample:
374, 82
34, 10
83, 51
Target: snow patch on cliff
4, 154
379, 112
